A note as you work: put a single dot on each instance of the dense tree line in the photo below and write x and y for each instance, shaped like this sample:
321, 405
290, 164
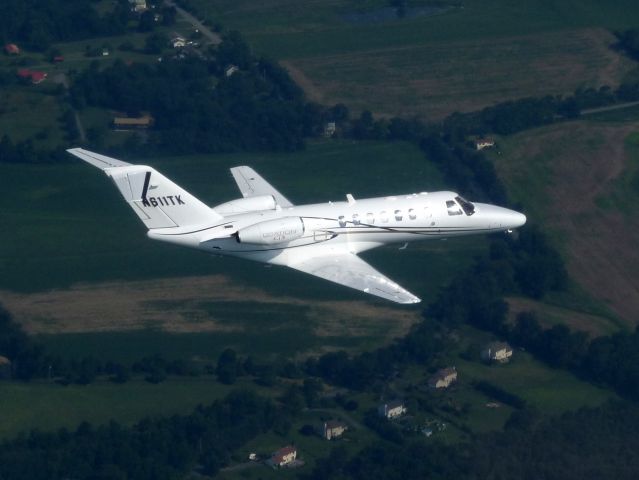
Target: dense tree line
590, 443
514, 116
424, 344
37, 24
154, 449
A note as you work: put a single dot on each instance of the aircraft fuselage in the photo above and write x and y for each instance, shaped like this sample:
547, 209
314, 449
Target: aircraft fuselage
359, 225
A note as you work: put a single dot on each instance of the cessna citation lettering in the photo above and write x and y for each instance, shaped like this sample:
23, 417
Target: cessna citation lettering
321, 239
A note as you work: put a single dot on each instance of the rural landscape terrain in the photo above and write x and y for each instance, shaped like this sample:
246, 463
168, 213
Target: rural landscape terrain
123, 358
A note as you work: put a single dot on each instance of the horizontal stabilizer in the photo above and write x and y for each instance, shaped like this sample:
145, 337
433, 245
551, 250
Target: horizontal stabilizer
252, 184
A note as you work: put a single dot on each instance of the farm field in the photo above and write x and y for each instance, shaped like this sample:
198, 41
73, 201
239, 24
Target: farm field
32, 112
77, 262
430, 65
48, 406
580, 180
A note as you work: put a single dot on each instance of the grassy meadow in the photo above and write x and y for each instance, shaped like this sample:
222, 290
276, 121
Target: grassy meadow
467, 56
579, 179
48, 406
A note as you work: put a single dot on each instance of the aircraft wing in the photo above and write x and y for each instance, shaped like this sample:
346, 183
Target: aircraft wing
251, 184
101, 161
351, 271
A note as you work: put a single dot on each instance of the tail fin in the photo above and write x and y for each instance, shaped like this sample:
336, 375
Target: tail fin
158, 201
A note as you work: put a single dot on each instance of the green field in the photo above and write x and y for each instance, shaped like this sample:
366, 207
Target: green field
68, 225
47, 406
32, 112
290, 29
549, 390
431, 65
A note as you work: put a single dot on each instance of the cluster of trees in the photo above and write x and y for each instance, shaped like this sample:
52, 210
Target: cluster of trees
523, 265
628, 41
590, 443
22, 152
158, 448
37, 24
199, 109
609, 360
465, 168
424, 344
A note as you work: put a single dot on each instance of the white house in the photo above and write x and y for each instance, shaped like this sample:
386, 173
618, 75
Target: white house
138, 5
497, 352
443, 378
230, 70
482, 143
329, 129
392, 409
178, 42
283, 456
333, 429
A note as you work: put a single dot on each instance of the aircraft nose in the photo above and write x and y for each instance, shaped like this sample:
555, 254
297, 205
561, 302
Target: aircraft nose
517, 219
501, 218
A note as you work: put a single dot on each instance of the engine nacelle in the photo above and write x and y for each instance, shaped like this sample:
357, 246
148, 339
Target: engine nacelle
272, 232
245, 205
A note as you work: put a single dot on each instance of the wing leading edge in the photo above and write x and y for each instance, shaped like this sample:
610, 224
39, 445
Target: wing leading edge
251, 184
351, 271
101, 161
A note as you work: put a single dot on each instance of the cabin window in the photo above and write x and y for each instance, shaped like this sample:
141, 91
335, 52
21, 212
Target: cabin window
370, 218
384, 216
342, 221
355, 219
453, 208
398, 215
412, 214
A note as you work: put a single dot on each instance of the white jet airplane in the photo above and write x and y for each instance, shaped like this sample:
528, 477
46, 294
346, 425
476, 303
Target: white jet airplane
321, 239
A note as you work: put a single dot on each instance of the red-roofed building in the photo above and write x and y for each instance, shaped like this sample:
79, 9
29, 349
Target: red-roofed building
35, 76
283, 456
11, 49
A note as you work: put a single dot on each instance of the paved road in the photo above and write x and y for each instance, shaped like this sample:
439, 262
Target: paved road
62, 79
213, 37
618, 106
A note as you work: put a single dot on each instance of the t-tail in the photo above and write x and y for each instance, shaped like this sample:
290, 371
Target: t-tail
158, 201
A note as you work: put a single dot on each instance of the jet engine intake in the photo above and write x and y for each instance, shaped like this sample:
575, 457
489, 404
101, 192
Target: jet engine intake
272, 232
244, 205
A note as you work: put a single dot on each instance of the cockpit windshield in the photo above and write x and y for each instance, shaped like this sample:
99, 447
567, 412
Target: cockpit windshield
453, 208
467, 206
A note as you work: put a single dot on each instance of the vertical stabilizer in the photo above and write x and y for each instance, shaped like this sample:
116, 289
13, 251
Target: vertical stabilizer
158, 201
